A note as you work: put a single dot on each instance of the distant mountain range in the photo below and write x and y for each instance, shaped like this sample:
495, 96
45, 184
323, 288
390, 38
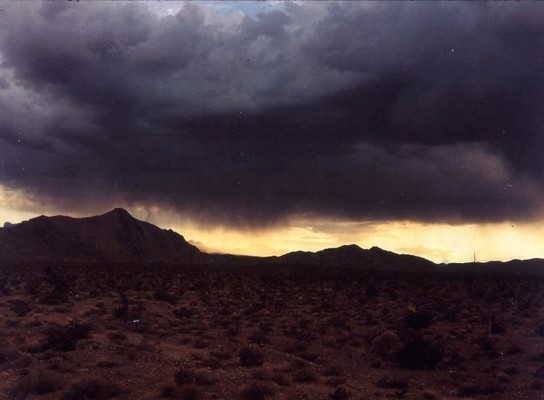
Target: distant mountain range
118, 237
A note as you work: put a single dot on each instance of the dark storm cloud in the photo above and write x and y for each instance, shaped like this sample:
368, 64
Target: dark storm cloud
427, 111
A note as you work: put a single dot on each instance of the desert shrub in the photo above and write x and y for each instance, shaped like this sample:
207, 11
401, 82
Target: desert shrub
233, 330
184, 312
451, 313
168, 391
476, 389
429, 395
117, 336
511, 370
280, 379
250, 357
420, 353
308, 356
262, 375
212, 363
35, 384
537, 385
539, 357
485, 343
65, 338
298, 364
539, 329
186, 375
497, 327
265, 326
393, 382
257, 391
121, 312
222, 355
418, 319
300, 332
108, 363
333, 370
387, 344
514, 349
190, 392
162, 294
201, 343
340, 323
8, 354
305, 375
12, 323
259, 338
92, 389
372, 291
60, 289
5, 290
340, 393
19, 307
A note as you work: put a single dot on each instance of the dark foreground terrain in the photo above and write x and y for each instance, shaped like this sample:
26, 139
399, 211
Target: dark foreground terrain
99, 332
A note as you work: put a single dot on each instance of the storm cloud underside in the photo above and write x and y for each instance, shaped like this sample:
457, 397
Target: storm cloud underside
363, 111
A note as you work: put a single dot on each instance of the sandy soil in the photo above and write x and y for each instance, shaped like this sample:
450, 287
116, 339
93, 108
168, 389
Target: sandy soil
147, 333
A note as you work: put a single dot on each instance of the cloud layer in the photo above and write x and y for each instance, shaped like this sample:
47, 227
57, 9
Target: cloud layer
366, 111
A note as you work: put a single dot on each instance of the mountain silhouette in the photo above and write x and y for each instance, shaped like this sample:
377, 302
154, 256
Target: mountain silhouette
353, 256
114, 237
118, 237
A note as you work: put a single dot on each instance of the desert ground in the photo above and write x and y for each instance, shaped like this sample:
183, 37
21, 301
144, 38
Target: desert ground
158, 332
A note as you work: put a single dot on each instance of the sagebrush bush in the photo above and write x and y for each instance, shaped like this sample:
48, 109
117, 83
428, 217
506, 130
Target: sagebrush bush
8, 354
250, 357
305, 375
257, 391
420, 353
185, 375
19, 307
418, 319
65, 338
340, 393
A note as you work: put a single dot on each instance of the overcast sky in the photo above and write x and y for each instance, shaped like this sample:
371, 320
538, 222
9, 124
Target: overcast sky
247, 114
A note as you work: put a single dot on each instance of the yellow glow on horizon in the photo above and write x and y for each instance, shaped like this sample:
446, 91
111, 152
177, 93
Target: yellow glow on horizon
438, 242
14, 206
434, 241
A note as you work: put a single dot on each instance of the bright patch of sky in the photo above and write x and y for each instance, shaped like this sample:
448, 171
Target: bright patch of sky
249, 8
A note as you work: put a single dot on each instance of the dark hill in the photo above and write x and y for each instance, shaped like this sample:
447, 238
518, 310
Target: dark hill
352, 256
115, 237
